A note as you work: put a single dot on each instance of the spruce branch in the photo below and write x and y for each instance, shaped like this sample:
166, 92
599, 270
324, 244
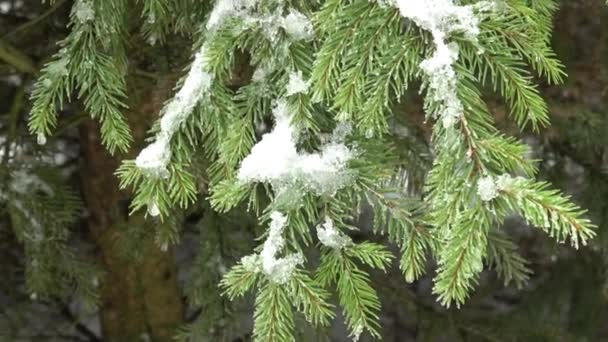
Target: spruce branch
93, 60
506, 260
310, 299
273, 317
461, 259
549, 210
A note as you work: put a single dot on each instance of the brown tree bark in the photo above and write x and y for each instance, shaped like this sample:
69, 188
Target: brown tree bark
140, 300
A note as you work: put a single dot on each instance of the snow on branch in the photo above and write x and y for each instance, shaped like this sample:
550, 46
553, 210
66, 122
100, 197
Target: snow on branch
297, 84
155, 157
279, 270
295, 24
331, 237
443, 18
225, 9
276, 160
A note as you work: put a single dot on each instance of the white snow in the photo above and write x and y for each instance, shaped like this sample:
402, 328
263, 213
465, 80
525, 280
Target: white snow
278, 270
84, 11
155, 157
58, 68
296, 84
252, 263
331, 237
356, 333
342, 130
225, 9
506, 181
487, 189
40, 139
153, 209
195, 85
276, 160
442, 18
298, 26
261, 72
442, 83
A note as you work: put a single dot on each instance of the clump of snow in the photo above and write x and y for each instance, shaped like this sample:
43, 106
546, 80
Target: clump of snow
84, 11
341, 131
155, 157
252, 263
487, 189
356, 333
261, 73
225, 9
298, 26
442, 83
504, 182
195, 85
153, 209
296, 84
276, 160
41, 139
57, 68
152, 39
331, 237
442, 18
278, 270
270, 158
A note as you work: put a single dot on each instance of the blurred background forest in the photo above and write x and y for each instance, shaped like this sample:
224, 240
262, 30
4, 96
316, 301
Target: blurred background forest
140, 289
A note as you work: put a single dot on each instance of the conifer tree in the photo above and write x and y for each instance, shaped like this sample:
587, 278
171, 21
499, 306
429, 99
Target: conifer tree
314, 135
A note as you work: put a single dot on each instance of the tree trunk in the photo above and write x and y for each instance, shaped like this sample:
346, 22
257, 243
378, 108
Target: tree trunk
140, 298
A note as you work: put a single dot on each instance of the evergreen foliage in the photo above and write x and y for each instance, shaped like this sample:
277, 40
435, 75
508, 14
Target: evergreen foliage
41, 208
337, 67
